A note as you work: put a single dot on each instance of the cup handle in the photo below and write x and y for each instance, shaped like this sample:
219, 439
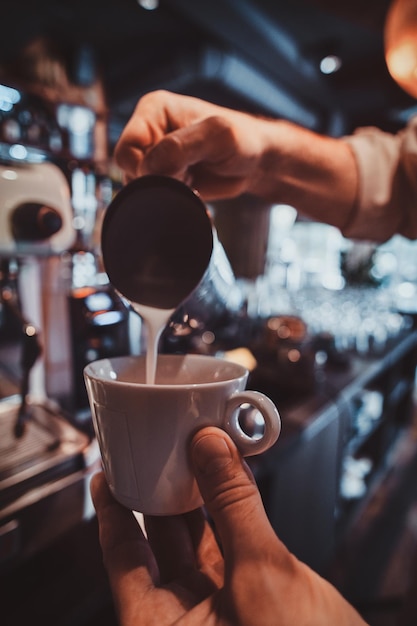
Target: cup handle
249, 445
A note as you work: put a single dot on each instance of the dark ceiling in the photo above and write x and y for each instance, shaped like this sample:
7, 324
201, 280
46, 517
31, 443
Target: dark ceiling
258, 55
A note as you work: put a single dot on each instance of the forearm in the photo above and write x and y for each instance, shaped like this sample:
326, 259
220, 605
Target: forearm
365, 184
315, 174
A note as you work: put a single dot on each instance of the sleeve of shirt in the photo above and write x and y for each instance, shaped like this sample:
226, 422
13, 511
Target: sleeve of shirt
387, 194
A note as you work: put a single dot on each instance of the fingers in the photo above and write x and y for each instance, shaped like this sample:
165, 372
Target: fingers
172, 546
126, 553
186, 138
186, 551
205, 140
206, 155
231, 495
146, 127
156, 115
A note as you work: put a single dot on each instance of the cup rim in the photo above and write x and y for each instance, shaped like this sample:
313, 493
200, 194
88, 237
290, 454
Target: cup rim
241, 371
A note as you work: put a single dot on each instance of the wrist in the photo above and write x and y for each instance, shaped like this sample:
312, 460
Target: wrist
314, 173
272, 178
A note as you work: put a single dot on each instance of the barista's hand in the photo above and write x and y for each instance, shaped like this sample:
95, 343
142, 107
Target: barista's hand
224, 153
215, 150
179, 575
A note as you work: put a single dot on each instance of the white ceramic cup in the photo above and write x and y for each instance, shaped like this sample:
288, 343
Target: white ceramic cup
143, 430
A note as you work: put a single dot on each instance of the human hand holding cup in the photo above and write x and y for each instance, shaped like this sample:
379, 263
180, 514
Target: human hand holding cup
143, 429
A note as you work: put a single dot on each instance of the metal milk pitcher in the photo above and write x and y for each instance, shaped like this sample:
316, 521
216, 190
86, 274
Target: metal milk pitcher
160, 249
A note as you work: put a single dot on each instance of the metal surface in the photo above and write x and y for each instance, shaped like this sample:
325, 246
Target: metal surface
49, 449
160, 249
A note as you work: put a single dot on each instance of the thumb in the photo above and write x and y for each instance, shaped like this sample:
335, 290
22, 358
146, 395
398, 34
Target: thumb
230, 493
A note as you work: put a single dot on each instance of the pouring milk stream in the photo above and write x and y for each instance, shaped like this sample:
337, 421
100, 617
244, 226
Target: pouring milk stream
160, 250
161, 254
155, 321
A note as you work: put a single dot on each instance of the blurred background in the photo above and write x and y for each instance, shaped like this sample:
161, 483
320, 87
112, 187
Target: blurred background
316, 62
326, 325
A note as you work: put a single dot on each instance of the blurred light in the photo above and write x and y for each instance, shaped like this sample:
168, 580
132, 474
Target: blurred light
21, 153
294, 355
6, 106
18, 152
241, 356
274, 323
80, 120
286, 214
321, 357
283, 332
330, 64
9, 174
193, 323
402, 62
333, 281
149, 5
208, 337
91, 355
108, 318
82, 292
406, 290
78, 222
401, 44
8, 97
98, 301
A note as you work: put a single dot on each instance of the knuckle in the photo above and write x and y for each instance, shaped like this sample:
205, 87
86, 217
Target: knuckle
222, 127
235, 490
166, 154
151, 96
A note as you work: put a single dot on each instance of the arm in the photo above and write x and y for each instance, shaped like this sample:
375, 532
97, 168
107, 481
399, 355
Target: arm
364, 184
223, 153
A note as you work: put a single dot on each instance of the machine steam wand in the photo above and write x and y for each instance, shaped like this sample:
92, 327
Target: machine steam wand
31, 351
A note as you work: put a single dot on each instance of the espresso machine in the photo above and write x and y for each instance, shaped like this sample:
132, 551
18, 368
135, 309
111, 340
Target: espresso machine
57, 312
